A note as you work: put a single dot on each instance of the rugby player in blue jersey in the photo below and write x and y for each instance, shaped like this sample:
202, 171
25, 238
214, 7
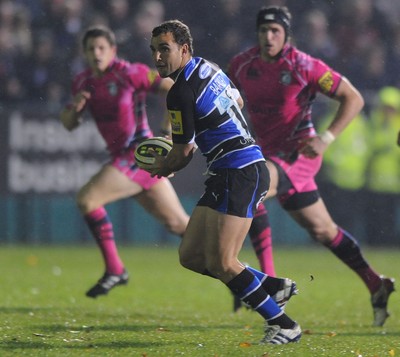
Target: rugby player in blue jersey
204, 110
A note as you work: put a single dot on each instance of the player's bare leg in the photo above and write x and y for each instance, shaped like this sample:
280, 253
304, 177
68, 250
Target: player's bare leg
108, 185
222, 237
162, 202
319, 224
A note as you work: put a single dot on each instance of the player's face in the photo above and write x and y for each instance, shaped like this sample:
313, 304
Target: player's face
99, 54
167, 54
271, 38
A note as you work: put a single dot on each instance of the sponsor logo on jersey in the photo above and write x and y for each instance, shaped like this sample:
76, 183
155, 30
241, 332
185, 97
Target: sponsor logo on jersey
218, 85
175, 117
286, 78
152, 75
224, 102
326, 82
204, 71
112, 88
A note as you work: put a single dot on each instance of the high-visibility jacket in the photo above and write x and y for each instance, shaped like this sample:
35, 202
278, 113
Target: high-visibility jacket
384, 165
345, 160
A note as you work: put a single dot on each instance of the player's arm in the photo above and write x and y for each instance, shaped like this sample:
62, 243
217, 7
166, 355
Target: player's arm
163, 88
234, 85
237, 97
71, 115
178, 158
350, 104
181, 114
165, 85
240, 101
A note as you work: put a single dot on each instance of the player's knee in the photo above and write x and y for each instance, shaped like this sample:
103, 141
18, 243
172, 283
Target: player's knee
322, 233
177, 225
187, 264
189, 261
84, 203
218, 267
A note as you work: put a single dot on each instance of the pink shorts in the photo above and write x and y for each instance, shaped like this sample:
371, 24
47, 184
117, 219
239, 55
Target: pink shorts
125, 163
301, 174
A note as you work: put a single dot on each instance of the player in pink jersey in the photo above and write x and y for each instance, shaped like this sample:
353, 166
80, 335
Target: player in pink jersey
279, 84
114, 92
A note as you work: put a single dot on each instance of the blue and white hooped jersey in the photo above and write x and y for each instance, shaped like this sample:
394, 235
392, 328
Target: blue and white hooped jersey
203, 109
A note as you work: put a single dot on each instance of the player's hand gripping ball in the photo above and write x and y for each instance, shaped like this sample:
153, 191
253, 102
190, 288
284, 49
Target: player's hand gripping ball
144, 151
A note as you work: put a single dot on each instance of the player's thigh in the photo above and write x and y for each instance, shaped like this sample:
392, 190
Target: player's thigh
162, 202
108, 185
192, 247
274, 179
220, 236
225, 235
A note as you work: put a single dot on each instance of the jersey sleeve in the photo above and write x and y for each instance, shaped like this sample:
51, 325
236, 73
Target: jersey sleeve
143, 77
181, 112
323, 78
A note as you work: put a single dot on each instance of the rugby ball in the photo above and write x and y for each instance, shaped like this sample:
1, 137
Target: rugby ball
143, 152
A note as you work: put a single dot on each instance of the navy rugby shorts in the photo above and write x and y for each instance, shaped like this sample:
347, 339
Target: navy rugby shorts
236, 192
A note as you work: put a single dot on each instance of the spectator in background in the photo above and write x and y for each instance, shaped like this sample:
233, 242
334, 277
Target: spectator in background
119, 17
222, 30
148, 15
383, 176
390, 9
370, 72
15, 43
12, 90
22, 36
357, 25
65, 21
42, 69
314, 37
392, 64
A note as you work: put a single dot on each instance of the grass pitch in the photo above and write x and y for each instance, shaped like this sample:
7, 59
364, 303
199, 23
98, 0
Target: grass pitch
168, 311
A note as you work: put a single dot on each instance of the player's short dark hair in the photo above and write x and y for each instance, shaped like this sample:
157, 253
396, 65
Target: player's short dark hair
99, 31
179, 30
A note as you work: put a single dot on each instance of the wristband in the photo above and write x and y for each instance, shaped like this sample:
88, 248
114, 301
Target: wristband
327, 137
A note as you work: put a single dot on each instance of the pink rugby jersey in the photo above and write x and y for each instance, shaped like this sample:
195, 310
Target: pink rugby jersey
279, 95
117, 101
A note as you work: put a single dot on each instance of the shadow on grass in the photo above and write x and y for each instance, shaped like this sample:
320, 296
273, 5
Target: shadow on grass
52, 345
375, 334
60, 337
134, 327
23, 309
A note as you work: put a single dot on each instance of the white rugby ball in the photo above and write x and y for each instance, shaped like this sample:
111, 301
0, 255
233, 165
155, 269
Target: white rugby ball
160, 145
